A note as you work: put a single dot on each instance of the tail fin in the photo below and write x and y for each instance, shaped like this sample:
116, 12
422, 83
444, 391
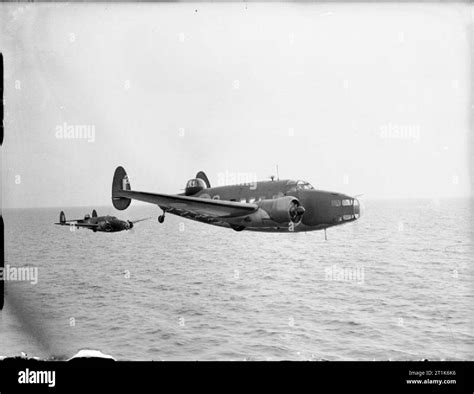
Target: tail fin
120, 183
202, 175
62, 217
94, 213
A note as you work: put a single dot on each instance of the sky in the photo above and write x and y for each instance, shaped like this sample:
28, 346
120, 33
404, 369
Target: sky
369, 99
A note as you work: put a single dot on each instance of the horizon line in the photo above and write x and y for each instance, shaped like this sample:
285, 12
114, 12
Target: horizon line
147, 204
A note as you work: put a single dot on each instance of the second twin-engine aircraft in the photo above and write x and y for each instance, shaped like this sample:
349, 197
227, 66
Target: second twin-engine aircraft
270, 206
107, 224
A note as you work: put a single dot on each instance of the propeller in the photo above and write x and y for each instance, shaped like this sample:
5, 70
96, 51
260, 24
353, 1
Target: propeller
107, 226
131, 223
296, 211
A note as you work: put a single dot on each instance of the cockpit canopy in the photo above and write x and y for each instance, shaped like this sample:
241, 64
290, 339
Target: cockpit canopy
303, 185
298, 185
193, 186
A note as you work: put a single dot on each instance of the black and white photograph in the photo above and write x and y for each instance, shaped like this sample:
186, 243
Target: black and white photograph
237, 181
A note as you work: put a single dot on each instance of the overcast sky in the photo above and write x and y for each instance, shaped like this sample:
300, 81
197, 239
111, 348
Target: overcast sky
371, 99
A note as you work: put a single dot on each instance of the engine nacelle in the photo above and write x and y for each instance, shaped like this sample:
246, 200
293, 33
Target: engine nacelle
283, 210
193, 186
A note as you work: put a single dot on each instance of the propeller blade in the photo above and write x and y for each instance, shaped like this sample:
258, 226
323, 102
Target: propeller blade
300, 210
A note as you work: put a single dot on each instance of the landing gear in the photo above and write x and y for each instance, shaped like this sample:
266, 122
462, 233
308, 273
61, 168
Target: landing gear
161, 218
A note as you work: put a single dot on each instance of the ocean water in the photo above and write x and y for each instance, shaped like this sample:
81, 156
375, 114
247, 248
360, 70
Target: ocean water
396, 284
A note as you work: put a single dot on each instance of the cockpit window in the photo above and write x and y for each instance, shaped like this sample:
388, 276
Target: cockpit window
346, 202
302, 185
335, 203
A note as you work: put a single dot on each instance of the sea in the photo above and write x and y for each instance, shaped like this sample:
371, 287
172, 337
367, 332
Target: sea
397, 284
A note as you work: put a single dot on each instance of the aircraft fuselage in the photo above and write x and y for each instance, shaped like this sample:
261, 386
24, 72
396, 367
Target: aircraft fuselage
108, 224
323, 209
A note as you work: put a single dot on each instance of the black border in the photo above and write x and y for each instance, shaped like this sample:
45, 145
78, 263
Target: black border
321, 376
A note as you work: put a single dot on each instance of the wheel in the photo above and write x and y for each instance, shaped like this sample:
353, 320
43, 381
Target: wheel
161, 218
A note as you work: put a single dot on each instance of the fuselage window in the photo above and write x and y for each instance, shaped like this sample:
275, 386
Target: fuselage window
336, 203
346, 203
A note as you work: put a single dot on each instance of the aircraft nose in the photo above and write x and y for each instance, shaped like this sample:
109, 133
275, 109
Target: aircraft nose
356, 208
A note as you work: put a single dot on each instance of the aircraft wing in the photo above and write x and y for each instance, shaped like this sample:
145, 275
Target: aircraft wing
84, 225
191, 206
139, 220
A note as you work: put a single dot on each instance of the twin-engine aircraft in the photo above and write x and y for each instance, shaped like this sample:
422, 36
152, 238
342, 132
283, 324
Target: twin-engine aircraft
269, 206
107, 224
